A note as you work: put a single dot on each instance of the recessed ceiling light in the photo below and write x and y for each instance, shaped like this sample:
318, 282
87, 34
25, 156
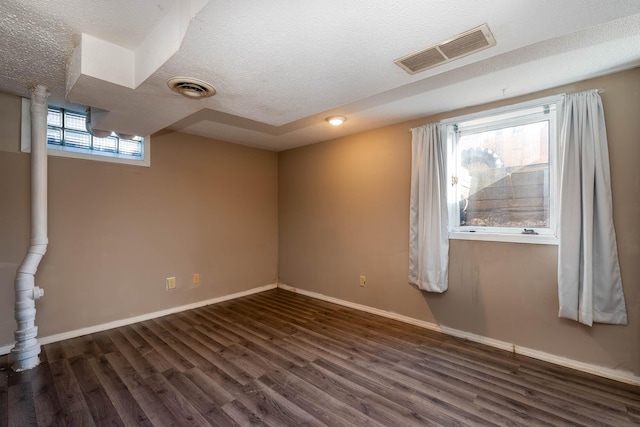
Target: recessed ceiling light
336, 120
191, 88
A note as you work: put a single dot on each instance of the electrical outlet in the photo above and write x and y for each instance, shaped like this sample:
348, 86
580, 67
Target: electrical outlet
171, 283
363, 281
196, 279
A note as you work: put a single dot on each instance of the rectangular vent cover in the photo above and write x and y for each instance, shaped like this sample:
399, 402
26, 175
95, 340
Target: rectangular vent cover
469, 42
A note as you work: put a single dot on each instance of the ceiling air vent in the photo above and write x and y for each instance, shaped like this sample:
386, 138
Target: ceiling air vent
191, 88
461, 45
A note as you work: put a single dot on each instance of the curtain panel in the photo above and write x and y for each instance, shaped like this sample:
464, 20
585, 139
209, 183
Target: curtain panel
428, 222
589, 282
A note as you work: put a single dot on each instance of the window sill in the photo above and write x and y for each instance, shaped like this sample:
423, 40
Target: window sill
536, 239
98, 156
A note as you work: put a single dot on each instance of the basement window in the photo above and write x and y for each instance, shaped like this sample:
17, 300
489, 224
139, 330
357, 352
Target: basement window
502, 173
67, 136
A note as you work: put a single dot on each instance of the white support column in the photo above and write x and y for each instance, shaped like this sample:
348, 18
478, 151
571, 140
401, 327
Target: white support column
25, 353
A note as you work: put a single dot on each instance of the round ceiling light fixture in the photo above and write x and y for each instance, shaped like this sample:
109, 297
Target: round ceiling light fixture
191, 88
336, 120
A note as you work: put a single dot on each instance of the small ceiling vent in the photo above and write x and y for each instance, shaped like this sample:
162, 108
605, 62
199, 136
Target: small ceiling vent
191, 88
461, 45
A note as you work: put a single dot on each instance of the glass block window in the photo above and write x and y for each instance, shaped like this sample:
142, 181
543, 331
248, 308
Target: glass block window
68, 130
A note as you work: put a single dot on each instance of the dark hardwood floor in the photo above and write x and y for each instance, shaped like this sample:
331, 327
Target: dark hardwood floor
283, 359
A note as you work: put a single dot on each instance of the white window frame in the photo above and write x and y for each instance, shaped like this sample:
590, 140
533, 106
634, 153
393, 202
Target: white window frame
526, 112
79, 153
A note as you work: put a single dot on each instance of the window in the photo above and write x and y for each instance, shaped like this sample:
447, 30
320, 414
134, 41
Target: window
502, 173
67, 136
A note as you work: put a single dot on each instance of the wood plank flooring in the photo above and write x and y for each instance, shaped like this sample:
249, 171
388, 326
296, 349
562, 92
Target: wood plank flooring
283, 359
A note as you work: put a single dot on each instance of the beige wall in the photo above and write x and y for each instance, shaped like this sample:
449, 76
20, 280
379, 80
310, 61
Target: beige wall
343, 212
328, 212
116, 232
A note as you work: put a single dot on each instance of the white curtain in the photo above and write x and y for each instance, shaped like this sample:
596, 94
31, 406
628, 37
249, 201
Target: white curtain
428, 223
589, 282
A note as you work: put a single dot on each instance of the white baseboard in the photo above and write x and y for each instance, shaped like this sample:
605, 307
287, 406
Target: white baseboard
6, 349
614, 374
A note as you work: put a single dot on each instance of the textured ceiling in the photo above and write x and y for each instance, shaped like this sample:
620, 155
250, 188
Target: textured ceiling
281, 67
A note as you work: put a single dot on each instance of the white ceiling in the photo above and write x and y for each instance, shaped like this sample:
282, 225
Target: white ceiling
281, 67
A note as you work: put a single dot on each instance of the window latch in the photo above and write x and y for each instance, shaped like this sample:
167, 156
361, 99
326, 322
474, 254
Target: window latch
454, 180
529, 231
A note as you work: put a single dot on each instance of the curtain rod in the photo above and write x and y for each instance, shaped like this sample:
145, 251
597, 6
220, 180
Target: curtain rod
597, 90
